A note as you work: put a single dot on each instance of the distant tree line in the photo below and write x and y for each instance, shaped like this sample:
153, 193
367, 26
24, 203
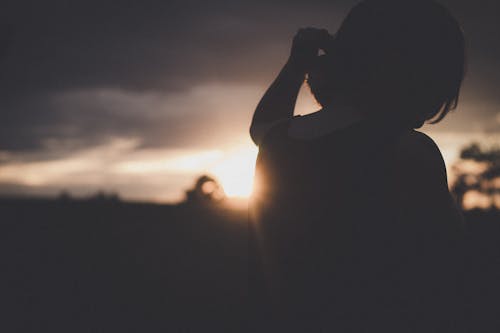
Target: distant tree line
206, 191
483, 179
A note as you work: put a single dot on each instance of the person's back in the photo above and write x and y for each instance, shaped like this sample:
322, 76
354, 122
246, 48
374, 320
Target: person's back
354, 228
337, 247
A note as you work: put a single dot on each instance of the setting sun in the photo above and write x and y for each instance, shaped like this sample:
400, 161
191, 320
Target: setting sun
235, 172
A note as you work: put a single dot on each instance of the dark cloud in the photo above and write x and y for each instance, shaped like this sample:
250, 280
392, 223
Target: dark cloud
144, 45
161, 47
57, 48
87, 118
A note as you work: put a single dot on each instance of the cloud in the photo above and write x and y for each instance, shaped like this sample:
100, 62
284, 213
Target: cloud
151, 45
172, 76
91, 70
119, 165
202, 116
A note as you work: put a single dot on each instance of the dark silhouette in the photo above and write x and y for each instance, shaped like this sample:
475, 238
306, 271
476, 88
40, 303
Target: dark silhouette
83, 265
354, 229
206, 191
103, 266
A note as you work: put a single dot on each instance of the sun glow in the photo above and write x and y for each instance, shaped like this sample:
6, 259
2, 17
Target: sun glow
136, 173
235, 172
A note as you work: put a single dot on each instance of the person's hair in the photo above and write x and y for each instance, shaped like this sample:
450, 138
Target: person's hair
404, 58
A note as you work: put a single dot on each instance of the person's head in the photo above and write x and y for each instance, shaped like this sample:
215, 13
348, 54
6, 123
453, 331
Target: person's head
401, 59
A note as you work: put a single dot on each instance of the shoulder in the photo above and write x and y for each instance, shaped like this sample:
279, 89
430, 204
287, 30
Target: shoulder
414, 143
421, 186
419, 160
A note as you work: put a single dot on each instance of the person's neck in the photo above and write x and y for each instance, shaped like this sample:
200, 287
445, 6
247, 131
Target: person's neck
326, 120
342, 112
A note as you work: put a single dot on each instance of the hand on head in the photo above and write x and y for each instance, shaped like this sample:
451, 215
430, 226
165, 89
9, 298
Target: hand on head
306, 46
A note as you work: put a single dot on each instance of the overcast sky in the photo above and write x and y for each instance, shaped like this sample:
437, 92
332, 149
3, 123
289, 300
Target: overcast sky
108, 82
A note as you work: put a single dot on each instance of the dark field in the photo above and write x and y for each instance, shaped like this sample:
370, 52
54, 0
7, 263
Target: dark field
119, 267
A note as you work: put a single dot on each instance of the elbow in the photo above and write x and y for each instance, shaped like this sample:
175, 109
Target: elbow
254, 135
259, 130
254, 127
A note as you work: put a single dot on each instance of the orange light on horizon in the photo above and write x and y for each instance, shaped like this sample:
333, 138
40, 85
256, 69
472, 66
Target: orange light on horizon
475, 199
235, 172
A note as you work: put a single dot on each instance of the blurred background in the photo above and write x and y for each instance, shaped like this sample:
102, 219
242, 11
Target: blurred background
126, 164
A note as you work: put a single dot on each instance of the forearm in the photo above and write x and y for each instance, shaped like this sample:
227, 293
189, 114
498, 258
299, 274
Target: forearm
279, 100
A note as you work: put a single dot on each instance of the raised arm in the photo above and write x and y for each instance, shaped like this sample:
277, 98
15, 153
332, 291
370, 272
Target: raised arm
278, 102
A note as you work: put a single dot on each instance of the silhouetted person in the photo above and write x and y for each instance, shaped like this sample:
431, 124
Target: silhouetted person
354, 229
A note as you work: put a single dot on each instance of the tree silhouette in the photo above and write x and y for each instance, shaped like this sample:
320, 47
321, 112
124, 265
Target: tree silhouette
206, 190
486, 181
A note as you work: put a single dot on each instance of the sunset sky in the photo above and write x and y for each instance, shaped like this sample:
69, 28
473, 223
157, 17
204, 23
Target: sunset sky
142, 97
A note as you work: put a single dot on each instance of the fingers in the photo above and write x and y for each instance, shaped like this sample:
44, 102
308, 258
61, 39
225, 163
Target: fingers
306, 45
312, 30
314, 37
312, 34
328, 44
